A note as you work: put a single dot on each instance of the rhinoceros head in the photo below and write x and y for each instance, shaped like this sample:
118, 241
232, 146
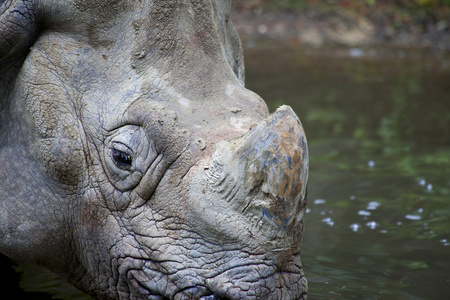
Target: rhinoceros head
134, 162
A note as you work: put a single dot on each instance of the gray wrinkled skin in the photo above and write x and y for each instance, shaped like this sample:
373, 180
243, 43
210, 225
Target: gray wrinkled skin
133, 161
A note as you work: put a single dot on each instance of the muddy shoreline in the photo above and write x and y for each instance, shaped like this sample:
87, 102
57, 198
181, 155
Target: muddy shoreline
315, 28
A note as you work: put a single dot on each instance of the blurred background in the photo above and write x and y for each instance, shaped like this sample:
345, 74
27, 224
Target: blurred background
370, 81
409, 23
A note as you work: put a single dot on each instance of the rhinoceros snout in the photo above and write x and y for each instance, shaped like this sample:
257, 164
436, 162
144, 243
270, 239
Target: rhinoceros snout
251, 195
257, 183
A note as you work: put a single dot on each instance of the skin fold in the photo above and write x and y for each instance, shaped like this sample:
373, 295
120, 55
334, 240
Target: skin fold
134, 162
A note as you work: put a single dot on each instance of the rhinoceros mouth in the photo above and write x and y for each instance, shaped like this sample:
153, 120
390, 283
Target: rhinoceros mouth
196, 292
249, 281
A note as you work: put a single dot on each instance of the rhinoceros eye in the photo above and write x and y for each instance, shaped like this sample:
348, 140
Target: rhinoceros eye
127, 155
122, 159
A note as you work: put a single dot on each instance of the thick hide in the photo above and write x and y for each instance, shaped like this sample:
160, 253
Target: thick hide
134, 162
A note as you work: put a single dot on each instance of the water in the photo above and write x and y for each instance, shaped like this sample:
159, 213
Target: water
378, 126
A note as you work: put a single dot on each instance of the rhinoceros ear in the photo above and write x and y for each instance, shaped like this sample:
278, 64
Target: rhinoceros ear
18, 28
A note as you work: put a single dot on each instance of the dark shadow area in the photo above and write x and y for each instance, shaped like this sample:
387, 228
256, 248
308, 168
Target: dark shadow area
10, 283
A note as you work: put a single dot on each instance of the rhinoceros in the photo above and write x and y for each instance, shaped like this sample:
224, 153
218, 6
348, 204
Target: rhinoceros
134, 162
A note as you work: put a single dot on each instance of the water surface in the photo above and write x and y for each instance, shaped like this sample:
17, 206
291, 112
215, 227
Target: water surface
378, 127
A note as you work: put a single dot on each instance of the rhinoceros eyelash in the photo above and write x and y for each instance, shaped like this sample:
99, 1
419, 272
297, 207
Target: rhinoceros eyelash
122, 156
122, 159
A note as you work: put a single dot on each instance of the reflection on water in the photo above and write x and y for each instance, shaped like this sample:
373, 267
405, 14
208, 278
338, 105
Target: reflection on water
378, 126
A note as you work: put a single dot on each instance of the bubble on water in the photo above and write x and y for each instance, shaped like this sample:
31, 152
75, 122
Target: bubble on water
356, 52
328, 221
429, 187
422, 182
372, 205
352, 197
262, 29
445, 242
399, 223
383, 231
371, 163
413, 217
364, 213
371, 224
420, 210
323, 213
308, 210
354, 227
320, 201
